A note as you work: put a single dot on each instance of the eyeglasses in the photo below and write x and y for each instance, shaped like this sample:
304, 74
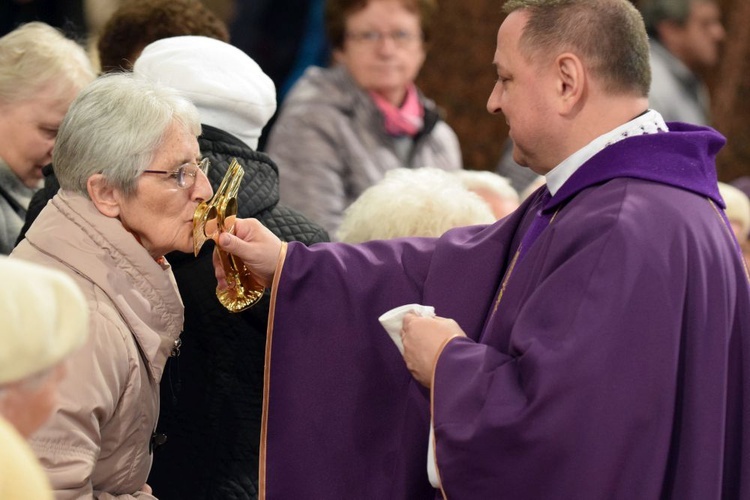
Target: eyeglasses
185, 174
400, 38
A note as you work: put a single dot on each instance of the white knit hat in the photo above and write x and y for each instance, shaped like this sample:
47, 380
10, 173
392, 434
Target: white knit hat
229, 89
43, 318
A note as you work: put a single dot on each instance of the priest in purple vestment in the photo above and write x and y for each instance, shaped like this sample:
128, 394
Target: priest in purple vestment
594, 344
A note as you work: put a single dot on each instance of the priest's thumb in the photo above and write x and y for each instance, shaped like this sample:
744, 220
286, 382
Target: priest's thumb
225, 240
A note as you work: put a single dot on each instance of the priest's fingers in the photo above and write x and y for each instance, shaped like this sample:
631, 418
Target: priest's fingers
257, 246
423, 338
221, 281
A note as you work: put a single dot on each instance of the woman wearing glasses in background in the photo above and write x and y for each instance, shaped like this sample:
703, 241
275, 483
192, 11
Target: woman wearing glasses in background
131, 177
341, 128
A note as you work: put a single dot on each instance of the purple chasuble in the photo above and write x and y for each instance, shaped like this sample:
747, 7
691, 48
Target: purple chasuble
606, 363
539, 224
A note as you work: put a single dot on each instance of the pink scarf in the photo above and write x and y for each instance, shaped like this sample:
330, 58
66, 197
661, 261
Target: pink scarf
406, 120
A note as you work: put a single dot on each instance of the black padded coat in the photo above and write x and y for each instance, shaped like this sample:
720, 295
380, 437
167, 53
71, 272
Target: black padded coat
211, 394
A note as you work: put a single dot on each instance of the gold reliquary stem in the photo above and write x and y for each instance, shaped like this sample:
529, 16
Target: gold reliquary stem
211, 219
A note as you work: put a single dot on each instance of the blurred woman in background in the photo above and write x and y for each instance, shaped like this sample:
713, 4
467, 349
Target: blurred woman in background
41, 72
341, 128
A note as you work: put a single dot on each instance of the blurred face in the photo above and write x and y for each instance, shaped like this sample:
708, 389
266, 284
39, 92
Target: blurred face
500, 205
28, 407
697, 42
737, 229
160, 212
522, 93
383, 48
28, 130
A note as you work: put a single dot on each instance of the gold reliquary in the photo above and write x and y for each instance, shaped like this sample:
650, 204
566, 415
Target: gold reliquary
211, 219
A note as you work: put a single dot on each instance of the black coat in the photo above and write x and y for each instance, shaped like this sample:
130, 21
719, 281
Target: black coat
212, 393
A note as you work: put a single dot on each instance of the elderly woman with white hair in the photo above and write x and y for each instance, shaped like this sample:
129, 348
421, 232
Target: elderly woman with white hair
738, 210
738, 215
131, 177
45, 320
214, 454
413, 202
41, 71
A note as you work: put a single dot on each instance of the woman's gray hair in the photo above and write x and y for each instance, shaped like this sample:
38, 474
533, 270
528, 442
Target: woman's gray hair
35, 55
114, 127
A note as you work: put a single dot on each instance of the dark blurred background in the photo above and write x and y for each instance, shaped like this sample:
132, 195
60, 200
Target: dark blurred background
458, 73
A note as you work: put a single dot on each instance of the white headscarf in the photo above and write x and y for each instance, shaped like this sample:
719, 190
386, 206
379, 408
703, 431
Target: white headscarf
227, 86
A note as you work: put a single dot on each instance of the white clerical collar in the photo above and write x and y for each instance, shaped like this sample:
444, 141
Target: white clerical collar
649, 122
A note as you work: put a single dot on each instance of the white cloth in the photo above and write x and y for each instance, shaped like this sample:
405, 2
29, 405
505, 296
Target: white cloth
230, 90
44, 318
393, 321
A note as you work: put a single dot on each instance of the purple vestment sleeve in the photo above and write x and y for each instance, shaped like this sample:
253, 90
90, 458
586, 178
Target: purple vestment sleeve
345, 417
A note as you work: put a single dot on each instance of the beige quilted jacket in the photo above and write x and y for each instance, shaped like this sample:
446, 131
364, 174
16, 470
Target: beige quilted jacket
97, 443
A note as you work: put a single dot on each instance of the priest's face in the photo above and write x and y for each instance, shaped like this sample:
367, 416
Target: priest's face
523, 93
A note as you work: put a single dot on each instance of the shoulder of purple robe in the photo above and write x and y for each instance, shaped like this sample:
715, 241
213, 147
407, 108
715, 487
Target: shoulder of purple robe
613, 367
684, 157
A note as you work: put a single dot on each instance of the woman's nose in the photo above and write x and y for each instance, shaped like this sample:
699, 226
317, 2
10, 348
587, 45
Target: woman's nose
203, 190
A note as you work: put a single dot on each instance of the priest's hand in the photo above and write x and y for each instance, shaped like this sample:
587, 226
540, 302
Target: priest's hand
256, 245
423, 340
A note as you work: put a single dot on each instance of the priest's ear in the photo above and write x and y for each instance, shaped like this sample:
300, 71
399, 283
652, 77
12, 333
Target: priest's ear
106, 198
571, 82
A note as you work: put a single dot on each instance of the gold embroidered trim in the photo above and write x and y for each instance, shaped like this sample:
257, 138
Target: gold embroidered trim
513, 265
432, 411
267, 373
505, 280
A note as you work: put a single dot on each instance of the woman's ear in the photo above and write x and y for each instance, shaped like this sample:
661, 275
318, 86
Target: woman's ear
571, 84
105, 197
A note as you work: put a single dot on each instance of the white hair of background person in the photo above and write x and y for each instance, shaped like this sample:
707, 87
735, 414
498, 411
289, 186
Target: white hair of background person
493, 188
738, 210
45, 319
412, 202
91, 142
36, 55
